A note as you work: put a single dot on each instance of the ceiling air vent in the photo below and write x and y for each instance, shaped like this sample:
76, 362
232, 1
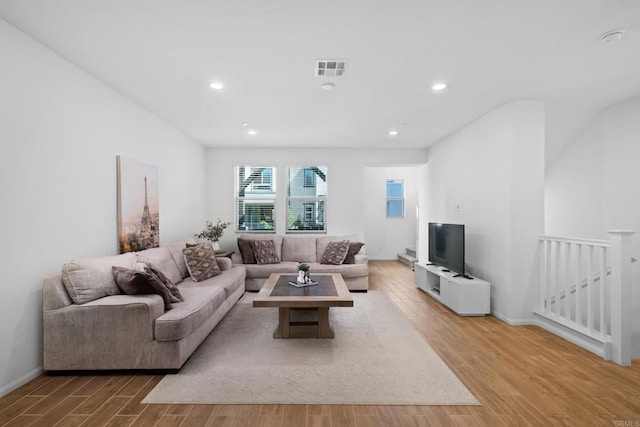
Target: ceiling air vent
330, 67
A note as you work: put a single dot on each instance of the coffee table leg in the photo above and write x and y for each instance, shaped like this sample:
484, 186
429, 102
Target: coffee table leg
282, 330
324, 330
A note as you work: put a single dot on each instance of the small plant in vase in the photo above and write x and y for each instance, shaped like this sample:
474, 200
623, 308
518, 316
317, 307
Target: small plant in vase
303, 273
213, 232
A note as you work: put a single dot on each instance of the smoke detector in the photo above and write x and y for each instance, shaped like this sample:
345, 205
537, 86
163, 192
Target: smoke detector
611, 36
331, 67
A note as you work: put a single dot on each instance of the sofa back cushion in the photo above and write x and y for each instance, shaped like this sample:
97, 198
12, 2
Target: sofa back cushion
91, 278
277, 240
323, 241
299, 248
161, 258
176, 253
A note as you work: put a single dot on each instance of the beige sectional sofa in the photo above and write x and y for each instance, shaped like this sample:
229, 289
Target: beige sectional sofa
89, 325
294, 249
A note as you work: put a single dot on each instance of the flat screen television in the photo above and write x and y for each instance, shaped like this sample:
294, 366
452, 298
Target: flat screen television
446, 246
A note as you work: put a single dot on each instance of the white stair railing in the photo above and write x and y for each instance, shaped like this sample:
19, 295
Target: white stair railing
585, 288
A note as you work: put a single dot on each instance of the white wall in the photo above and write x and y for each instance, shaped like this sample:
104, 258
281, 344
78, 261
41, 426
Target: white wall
594, 186
60, 132
493, 169
387, 237
345, 192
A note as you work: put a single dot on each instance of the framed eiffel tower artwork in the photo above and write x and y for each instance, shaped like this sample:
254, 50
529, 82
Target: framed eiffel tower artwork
138, 215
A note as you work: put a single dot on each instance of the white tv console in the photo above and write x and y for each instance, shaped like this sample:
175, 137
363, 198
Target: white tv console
466, 297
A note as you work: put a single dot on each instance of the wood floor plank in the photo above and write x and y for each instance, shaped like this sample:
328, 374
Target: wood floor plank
198, 415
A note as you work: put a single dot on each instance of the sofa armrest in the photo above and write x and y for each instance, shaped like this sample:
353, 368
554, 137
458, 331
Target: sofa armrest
224, 263
361, 258
103, 334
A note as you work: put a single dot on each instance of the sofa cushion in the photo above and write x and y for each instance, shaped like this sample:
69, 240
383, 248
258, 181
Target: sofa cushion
354, 248
335, 252
277, 240
346, 270
264, 271
265, 252
323, 241
299, 248
229, 281
161, 258
176, 253
89, 279
201, 262
135, 282
246, 251
200, 303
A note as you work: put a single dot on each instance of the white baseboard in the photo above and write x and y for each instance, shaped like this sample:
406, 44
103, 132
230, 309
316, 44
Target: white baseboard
513, 322
21, 381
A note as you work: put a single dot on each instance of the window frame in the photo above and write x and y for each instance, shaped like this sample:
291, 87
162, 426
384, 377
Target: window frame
390, 199
318, 203
260, 191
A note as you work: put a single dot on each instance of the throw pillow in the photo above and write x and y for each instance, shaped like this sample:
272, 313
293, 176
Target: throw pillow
335, 252
354, 248
150, 268
201, 261
246, 252
265, 251
133, 282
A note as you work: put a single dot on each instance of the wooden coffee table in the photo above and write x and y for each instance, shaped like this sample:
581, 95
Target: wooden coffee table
304, 312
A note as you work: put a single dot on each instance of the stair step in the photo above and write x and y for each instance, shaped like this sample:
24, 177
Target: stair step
411, 250
407, 259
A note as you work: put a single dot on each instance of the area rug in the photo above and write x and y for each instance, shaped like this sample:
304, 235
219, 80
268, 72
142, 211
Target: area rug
376, 357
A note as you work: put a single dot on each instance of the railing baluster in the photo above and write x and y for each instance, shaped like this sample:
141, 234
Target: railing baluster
556, 280
578, 286
542, 295
590, 289
603, 279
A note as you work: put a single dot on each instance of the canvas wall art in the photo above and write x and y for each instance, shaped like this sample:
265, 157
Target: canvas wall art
138, 214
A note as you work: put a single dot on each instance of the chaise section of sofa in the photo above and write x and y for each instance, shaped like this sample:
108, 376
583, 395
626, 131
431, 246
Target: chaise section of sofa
89, 325
309, 249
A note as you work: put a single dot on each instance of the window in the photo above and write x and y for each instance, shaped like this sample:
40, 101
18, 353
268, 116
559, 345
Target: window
255, 192
309, 177
306, 199
395, 198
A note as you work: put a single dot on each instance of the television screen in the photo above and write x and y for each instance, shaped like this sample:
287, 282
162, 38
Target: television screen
446, 246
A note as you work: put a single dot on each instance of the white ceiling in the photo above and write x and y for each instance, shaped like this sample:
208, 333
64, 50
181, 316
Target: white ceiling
163, 53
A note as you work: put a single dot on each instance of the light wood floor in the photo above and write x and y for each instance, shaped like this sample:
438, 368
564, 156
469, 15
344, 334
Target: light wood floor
521, 376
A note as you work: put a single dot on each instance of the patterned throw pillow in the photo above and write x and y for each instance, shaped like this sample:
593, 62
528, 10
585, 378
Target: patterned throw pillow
335, 252
265, 251
354, 248
201, 262
133, 282
150, 268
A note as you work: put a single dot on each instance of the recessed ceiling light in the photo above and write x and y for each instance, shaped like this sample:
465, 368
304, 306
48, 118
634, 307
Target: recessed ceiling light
393, 132
327, 86
216, 85
402, 125
252, 132
611, 36
440, 86
244, 124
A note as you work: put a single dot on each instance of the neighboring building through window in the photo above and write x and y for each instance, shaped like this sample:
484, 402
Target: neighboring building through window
395, 198
255, 192
306, 199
